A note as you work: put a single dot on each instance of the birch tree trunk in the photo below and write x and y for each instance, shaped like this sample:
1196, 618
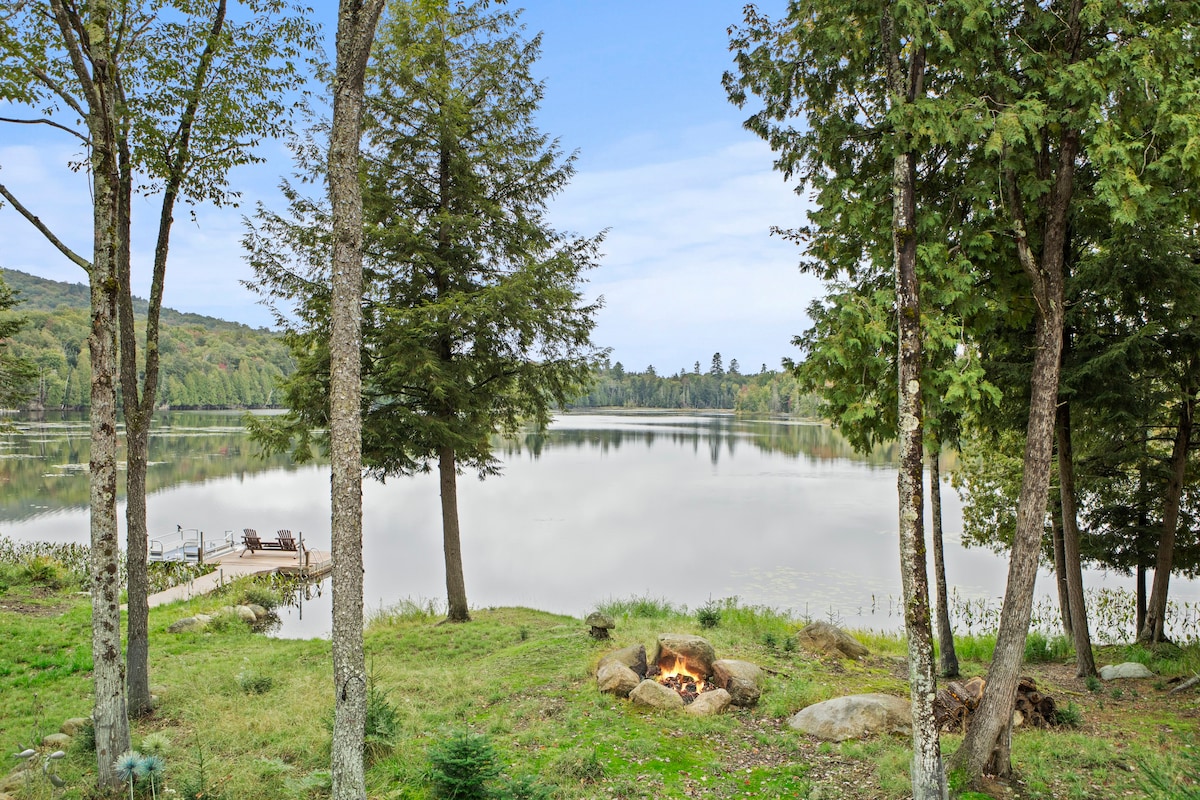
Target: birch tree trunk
355, 33
904, 85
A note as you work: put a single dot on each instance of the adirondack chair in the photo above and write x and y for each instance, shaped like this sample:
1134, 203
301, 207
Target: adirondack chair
252, 542
286, 540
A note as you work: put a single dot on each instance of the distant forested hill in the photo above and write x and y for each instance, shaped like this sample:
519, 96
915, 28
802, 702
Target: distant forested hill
206, 362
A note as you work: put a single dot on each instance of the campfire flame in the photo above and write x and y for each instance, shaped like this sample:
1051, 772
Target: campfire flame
674, 673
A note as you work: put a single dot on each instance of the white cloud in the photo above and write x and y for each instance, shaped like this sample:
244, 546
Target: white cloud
690, 268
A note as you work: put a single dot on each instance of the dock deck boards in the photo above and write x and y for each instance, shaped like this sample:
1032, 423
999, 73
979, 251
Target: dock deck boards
230, 566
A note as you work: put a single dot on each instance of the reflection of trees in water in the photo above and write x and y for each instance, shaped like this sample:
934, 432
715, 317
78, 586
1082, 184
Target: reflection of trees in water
716, 434
43, 463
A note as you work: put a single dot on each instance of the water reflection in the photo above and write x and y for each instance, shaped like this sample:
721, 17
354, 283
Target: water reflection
44, 462
714, 434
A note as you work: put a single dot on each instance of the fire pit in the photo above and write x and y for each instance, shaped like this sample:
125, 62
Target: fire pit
684, 672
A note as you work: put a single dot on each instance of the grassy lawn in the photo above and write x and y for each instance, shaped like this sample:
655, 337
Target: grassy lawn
247, 716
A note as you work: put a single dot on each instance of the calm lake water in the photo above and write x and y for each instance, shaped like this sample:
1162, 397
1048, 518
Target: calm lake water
687, 507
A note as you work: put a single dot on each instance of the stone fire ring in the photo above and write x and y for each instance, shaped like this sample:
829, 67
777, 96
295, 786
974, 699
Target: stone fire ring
628, 673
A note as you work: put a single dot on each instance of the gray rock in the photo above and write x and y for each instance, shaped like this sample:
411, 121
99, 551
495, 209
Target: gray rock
709, 703
655, 695
1130, 669
616, 678
633, 657
695, 651
600, 624
246, 614
741, 679
854, 717
72, 726
830, 639
260, 612
186, 624
56, 741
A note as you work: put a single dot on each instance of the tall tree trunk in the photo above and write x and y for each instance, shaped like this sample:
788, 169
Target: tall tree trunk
987, 743
1156, 609
1060, 563
99, 84
1085, 662
355, 33
928, 776
456, 587
1140, 601
139, 401
948, 658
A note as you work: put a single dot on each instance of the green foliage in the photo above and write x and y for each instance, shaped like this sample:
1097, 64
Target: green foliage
1069, 715
640, 607
462, 767
1161, 783
205, 362
253, 682
709, 615
474, 318
1040, 649
382, 723
1093, 684
17, 374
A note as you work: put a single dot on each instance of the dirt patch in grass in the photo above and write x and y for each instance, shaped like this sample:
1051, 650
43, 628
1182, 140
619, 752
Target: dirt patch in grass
36, 601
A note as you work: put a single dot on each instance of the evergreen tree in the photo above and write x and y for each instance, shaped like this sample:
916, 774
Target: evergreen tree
474, 318
17, 375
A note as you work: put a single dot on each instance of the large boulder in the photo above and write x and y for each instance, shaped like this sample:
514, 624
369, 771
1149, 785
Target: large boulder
633, 657
708, 703
829, 639
186, 624
655, 695
1130, 669
740, 678
616, 678
854, 717
695, 652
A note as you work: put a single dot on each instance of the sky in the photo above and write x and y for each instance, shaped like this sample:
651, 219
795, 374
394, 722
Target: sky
686, 194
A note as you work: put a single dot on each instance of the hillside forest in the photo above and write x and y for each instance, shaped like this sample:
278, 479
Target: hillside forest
209, 363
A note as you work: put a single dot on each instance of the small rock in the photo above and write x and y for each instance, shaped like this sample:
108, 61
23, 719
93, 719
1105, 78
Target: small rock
616, 678
854, 717
246, 614
655, 695
72, 726
260, 612
633, 657
600, 624
708, 703
185, 624
57, 741
740, 678
1130, 669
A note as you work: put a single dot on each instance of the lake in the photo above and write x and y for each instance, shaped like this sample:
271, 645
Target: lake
686, 507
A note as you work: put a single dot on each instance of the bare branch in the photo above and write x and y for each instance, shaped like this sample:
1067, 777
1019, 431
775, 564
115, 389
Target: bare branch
49, 122
41, 226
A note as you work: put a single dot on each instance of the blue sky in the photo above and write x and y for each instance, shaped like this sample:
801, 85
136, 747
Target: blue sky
688, 195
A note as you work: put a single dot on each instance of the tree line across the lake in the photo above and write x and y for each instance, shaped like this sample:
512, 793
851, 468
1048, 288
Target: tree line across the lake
211, 363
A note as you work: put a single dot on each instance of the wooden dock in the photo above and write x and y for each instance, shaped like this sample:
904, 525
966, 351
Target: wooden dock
313, 564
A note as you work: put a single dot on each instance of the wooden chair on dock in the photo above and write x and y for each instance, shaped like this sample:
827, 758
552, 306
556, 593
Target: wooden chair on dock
286, 540
252, 542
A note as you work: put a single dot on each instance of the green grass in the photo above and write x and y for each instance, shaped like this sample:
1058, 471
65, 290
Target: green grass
257, 711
